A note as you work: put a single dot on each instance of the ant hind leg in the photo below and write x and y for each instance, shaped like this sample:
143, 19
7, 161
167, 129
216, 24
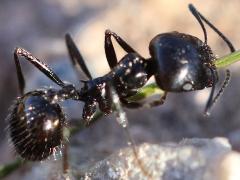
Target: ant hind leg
37, 63
158, 102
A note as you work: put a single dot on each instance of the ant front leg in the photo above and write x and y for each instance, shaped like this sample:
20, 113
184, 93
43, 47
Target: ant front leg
122, 120
109, 49
76, 57
158, 102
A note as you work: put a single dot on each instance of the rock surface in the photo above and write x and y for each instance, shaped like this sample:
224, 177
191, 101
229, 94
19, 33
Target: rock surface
198, 159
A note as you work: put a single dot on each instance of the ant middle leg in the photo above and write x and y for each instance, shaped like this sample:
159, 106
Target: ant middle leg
109, 49
76, 57
158, 102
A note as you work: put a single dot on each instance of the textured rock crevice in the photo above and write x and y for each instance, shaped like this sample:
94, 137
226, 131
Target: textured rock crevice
198, 159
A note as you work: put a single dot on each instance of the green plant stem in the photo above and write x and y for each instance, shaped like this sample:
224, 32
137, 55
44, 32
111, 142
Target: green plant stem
228, 59
148, 90
7, 169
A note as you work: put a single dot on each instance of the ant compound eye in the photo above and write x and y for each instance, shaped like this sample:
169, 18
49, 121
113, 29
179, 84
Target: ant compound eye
36, 126
187, 86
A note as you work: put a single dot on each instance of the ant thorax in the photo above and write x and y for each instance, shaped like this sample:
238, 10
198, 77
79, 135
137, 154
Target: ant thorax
130, 74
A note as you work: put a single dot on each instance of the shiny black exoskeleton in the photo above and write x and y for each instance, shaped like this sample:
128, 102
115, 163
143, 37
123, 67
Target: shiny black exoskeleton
36, 125
127, 77
183, 62
179, 62
36, 120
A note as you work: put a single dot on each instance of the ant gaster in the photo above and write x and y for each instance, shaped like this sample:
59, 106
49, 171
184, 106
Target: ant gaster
179, 62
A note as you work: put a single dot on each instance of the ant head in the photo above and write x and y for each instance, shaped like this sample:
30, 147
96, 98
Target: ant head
181, 62
36, 125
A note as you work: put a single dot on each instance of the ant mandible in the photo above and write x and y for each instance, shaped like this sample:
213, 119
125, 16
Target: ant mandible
179, 62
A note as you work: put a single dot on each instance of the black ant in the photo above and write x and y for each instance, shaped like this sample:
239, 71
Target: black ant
179, 62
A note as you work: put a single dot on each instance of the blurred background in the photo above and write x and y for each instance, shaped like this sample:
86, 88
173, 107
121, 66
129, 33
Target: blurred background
40, 26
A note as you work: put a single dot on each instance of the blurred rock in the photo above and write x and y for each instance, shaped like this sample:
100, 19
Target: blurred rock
198, 159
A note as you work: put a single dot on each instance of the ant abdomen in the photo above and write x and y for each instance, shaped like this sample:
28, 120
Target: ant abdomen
36, 126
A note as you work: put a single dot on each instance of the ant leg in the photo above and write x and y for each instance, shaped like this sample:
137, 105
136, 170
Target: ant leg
131, 105
65, 157
109, 49
158, 102
123, 121
88, 111
135, 105
104, 101
76, 57
37, 63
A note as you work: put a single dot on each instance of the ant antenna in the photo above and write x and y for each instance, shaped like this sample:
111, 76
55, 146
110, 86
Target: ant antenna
198, 16
123, 121
211, 100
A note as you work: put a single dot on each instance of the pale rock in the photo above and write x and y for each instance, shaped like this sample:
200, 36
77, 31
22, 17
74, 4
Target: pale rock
191, 159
